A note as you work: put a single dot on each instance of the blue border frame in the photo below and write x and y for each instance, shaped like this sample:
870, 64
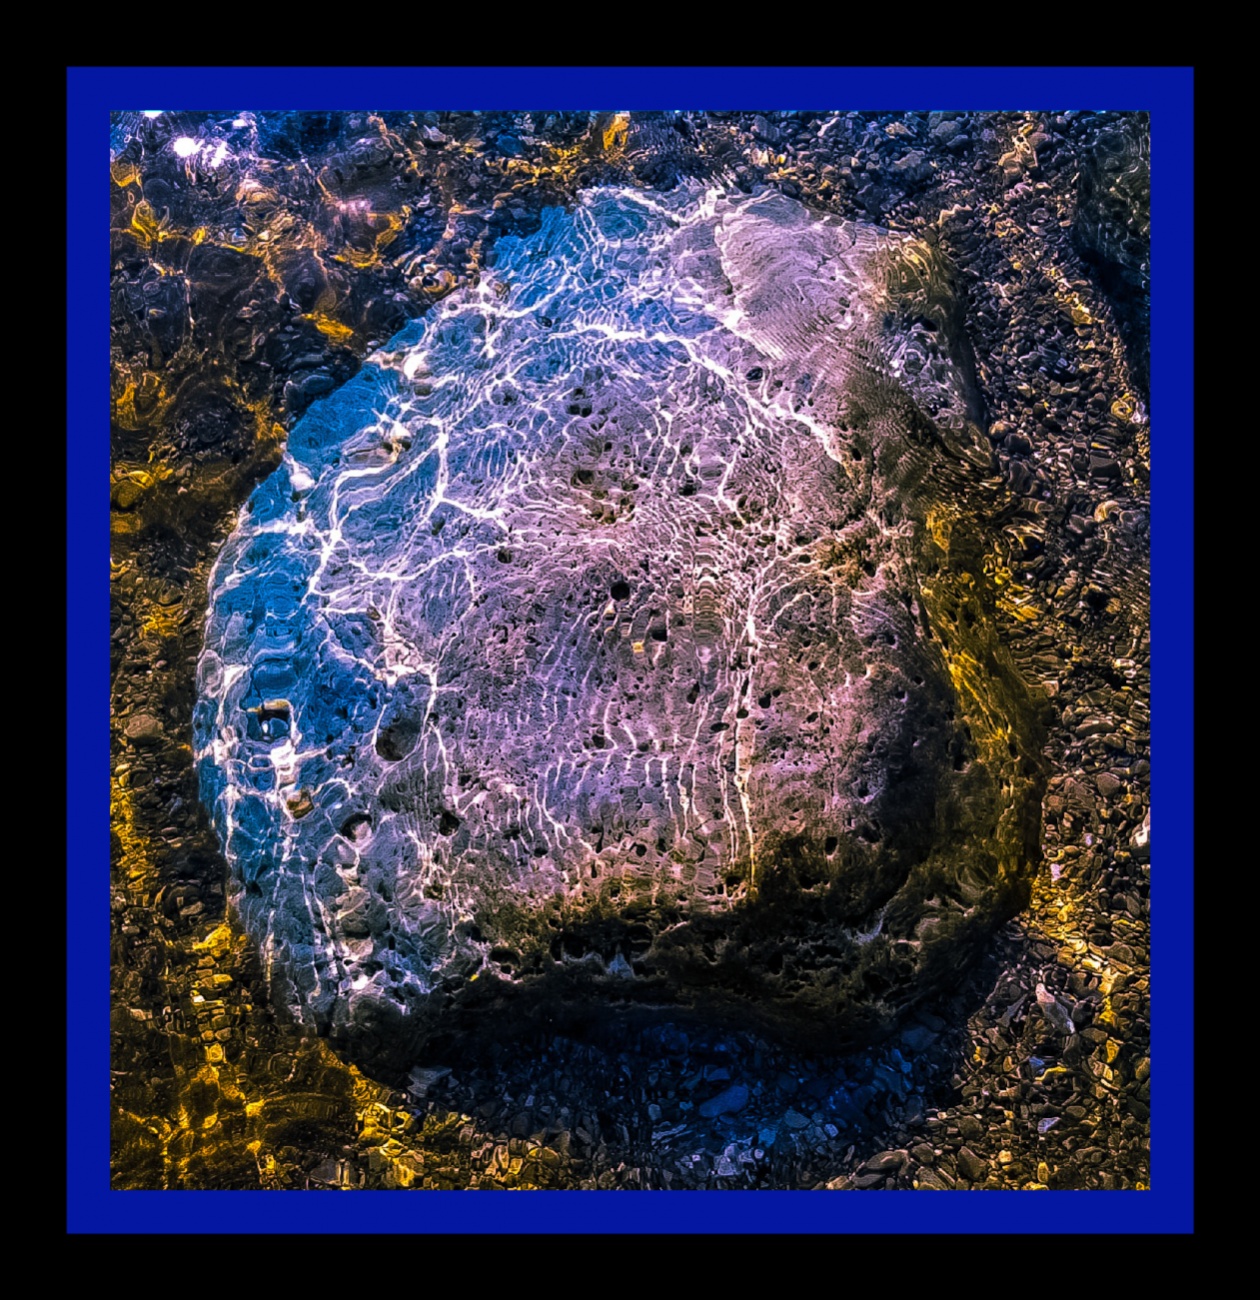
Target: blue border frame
91, 93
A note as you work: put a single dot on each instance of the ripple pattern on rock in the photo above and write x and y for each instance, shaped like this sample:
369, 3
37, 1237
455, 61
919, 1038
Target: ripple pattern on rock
581, 642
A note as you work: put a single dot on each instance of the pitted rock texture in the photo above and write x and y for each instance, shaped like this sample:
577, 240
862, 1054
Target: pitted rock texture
615, 640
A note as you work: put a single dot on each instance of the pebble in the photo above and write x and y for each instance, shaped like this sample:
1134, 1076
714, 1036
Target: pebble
918, 1037
887, 1161
727, 1102
1054, 1011
1107, 784
143, 729
972, 1166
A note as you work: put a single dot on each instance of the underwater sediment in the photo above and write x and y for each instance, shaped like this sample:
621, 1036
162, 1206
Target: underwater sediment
662, 648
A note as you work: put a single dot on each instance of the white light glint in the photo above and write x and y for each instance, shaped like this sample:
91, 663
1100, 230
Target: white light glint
152, 112
185, 146
219, 154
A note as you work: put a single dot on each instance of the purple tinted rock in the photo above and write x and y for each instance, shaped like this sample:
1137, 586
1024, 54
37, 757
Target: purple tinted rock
618, 636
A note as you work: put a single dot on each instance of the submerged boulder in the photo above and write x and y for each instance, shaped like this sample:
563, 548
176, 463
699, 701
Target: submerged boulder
617, 642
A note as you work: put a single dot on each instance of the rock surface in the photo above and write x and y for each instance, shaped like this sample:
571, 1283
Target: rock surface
617, 637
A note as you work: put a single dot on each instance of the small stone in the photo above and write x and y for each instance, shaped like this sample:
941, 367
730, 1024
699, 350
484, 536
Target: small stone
1107, 784
970, 1127
971, 1166
1011, 163
126, 493
143, 729
1053, 1011
917, 1037
301, 803
1142, 836
887, 1162
914, 166
727, 1102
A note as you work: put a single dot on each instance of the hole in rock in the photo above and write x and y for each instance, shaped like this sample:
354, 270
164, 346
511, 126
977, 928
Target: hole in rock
356, 827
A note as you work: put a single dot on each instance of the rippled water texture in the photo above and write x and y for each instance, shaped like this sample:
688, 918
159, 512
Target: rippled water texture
599, 631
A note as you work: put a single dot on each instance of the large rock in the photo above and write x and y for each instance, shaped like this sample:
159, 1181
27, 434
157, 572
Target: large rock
618, 639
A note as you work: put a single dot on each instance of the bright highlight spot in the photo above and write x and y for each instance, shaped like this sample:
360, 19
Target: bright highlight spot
185, 146
153, 112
